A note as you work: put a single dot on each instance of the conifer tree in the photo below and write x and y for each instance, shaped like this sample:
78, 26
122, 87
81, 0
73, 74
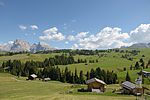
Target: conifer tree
87, 75
137, 65
92, 73
73, 81
81, 77
143, 65
128, 77
76, 76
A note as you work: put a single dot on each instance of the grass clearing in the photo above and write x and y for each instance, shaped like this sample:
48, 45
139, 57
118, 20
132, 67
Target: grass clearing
53, 90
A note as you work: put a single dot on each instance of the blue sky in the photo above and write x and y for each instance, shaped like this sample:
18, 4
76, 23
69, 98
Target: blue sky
86, 24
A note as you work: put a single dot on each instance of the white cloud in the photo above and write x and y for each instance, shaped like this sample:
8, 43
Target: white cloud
10, 42
22, 27
75, 46
82, 34
106, 38
34, 27
52, 34
66, 42
78, 36
141, 34
71, 38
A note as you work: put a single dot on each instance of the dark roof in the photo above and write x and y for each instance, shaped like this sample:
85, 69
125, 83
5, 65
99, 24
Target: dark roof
128, 85
95, 80
145, 72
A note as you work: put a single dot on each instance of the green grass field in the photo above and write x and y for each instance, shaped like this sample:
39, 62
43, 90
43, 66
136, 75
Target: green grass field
111, 61
11, 89
14, 88
133, 74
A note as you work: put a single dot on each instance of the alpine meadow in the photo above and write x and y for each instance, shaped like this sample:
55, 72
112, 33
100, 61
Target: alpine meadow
74, 50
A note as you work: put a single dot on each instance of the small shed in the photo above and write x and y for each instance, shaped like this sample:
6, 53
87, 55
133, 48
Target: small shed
96, 85
131, 88
144, 73
32, 77
46, 79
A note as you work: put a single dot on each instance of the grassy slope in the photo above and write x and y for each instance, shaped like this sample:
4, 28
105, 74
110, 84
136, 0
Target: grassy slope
133, 75
112, 61
37, 90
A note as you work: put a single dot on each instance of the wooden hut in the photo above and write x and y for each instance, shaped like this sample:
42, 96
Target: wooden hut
96, 85
131, 88
32, 77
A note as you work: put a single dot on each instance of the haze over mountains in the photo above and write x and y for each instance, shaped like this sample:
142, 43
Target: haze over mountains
137, 46
20, 45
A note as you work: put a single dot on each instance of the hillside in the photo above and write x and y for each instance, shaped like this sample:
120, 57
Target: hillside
116, 60
111, 60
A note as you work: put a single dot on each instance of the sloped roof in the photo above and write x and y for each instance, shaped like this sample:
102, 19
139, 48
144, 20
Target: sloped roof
33, 75
128, 85
145, 72
95, 80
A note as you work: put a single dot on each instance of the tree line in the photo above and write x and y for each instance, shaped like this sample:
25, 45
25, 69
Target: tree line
74, 52
17, 68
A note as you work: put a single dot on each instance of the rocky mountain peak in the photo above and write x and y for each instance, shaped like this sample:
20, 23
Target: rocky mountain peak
20, 45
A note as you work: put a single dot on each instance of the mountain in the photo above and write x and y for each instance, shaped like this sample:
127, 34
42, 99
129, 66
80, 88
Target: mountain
137, 46
41, 46
20, 45
5, 47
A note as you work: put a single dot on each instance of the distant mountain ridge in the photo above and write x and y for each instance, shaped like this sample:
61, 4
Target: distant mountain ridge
20, 45
137, 46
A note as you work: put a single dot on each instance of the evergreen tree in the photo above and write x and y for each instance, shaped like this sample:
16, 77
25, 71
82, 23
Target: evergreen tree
92, 73
63, 78
131, 67
104, 74
141, 60
79, 61
149, 62
85, 61
128, 77
143, 65
98, 73
73, 81
137, 65
87, 75
97, 60
76, 77
81, 77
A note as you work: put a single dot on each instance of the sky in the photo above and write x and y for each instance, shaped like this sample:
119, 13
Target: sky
76, 24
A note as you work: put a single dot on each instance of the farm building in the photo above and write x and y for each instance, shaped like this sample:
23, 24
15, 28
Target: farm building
96, 85
46, 79
32, 77
144, 73
131, 88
